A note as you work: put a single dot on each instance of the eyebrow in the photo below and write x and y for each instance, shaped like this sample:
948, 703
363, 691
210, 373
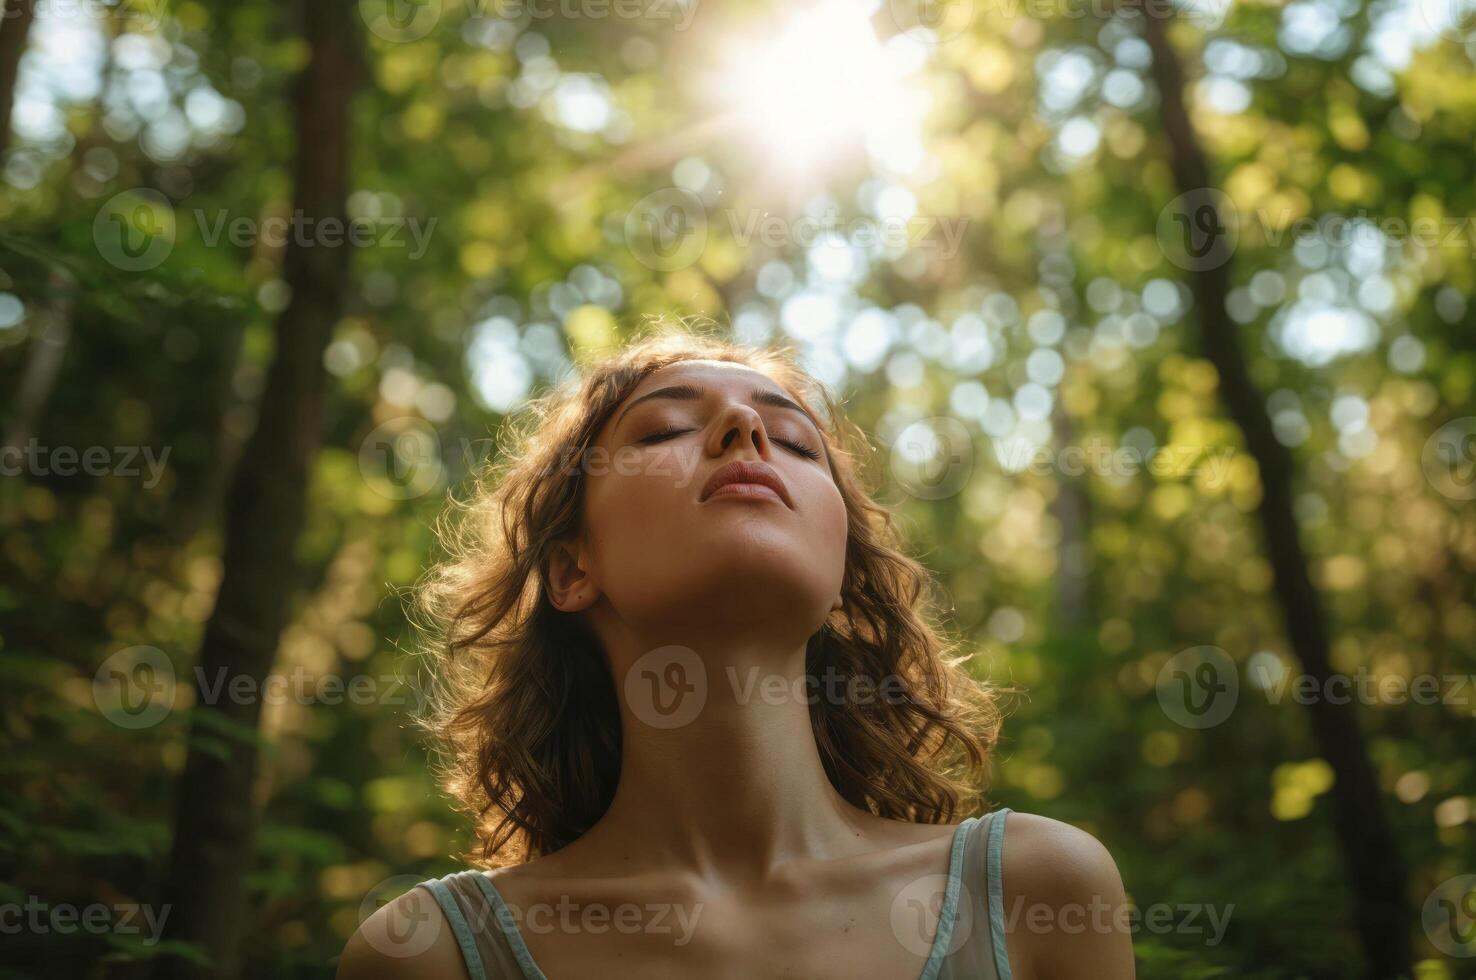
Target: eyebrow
686, 392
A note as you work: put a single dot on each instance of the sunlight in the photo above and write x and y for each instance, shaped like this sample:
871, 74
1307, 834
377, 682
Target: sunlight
823, 86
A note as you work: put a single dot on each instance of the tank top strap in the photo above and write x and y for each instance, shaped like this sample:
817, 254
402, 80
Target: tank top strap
949, 933
485, 930
977, 950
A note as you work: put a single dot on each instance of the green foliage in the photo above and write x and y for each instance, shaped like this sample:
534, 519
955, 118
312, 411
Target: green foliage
1074, 588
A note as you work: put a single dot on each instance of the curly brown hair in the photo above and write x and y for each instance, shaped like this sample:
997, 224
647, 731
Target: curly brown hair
522, 702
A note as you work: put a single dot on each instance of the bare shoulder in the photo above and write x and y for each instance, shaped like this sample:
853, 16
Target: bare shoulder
408, 938
1051, 858
1064, 904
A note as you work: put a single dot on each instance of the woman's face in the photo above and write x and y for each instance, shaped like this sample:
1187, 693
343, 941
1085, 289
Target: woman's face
668, 551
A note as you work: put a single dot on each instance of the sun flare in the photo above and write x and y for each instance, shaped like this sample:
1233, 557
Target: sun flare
821, 84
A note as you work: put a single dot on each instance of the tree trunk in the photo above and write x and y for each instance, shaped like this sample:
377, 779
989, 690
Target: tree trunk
1369, 852
15, 26
265, 512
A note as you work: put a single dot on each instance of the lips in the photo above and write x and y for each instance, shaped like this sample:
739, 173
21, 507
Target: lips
746, 473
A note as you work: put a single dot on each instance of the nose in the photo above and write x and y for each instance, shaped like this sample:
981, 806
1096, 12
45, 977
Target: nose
738, 423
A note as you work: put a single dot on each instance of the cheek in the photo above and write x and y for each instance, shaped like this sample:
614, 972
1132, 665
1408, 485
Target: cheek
630, 475
831, 531
633, 500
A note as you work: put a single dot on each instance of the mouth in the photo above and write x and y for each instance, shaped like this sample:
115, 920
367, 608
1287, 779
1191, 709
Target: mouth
747, 479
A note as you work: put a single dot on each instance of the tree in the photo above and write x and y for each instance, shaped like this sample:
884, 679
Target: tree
213, 838
1370, 852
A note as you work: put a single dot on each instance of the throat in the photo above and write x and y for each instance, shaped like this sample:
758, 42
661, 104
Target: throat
736, 792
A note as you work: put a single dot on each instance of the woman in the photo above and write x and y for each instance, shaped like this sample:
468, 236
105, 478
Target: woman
693, 702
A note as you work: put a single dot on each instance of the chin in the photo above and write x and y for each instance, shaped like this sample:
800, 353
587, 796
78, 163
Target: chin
750, 583
737, 565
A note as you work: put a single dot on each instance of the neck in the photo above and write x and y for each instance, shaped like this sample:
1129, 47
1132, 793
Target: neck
731, 790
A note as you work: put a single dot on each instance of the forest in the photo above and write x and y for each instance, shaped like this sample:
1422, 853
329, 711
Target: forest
1156, 314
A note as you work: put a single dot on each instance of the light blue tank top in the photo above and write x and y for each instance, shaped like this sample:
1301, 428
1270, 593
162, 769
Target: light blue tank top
968, 944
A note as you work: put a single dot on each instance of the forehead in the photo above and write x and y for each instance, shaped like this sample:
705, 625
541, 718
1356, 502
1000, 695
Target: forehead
721, 375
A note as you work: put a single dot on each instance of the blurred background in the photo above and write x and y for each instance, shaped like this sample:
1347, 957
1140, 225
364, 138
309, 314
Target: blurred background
1157, 313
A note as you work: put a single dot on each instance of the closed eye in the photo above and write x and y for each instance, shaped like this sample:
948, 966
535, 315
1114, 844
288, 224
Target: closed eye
800, 448
662, 435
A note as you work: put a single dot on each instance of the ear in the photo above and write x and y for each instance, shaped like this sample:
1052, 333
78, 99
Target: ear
570, 587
